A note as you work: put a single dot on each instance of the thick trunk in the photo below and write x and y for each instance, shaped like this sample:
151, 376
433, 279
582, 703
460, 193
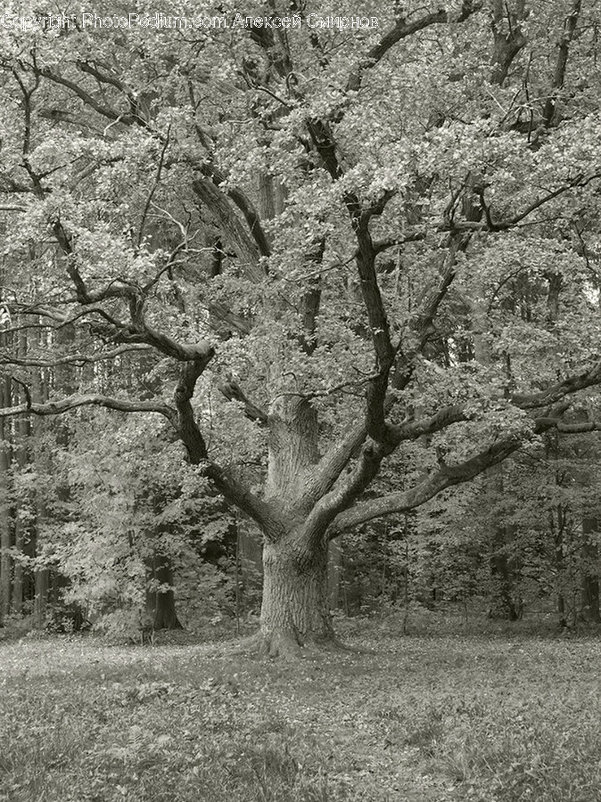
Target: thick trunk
293, 450
295, 609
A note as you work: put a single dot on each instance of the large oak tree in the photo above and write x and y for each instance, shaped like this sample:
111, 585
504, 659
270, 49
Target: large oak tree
314, 244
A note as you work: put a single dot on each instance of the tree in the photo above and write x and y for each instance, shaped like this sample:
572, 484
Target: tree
136, 531
247, 210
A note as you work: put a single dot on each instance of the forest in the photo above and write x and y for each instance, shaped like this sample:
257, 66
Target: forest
300, 349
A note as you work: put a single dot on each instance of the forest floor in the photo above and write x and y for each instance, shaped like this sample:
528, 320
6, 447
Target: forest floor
505, 716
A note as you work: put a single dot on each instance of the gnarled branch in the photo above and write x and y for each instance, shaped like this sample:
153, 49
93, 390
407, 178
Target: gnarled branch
434, 483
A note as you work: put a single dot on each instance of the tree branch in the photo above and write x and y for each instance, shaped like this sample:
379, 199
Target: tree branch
488, 224
75, 401
562, 60
209, 171
333, 463
434, 483
570, 428
87, 98
556, 392
189, 431
217, 203
233, 392
450, 475
75, 359
508, 44
138, 331
244, 204
402, 30
440, 420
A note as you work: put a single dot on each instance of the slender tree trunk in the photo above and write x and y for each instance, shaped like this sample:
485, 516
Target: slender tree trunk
590, 599
5, 523
590, 574
23, 522
160, 603
64, 379
41, 597
295, 609
334, 574
558, 550
503, 604
561, 610
39, 391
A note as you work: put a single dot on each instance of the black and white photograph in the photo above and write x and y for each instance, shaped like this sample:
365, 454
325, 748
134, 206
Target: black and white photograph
300, 401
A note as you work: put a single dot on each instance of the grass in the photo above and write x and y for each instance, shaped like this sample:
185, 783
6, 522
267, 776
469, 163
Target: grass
442, 717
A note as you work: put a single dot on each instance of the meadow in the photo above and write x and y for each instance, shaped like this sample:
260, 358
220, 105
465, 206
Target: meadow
503, 715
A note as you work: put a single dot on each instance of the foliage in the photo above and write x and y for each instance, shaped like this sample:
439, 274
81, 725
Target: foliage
129, 500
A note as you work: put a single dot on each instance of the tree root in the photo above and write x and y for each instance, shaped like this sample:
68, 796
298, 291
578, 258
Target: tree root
290, 647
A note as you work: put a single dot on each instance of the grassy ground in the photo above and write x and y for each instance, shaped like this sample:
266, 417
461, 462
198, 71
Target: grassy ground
424, 717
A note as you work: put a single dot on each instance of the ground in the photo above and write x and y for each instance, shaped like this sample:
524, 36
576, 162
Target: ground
432, 715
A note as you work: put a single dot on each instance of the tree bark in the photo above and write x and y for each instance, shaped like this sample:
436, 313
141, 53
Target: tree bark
335, 578
39, 390
509, 38
42, 576
160, 603
590, 574
590, 599
295, 609
24, 529
503, 603
5, 524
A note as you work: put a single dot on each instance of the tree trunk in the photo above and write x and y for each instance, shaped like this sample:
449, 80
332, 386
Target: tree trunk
41, 597
334, 574
39, 429
6, 567
590, 599
160, 601
503, 603
561, 610
295, 609
590, 571
22, 531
